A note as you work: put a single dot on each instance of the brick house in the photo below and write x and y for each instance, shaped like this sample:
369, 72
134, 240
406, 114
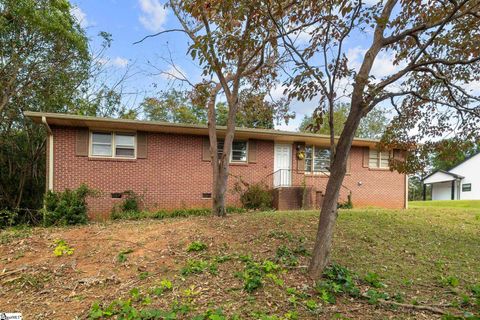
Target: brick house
168, 165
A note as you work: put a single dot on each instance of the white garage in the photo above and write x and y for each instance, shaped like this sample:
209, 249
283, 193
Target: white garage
462, 182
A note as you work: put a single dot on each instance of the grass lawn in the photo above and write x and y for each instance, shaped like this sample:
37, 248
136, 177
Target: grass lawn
247, 266
471, 204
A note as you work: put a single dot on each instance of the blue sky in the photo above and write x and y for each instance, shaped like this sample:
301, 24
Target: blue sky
130, 20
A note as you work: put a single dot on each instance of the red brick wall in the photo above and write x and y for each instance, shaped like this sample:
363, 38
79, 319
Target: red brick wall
369, 187
174, 176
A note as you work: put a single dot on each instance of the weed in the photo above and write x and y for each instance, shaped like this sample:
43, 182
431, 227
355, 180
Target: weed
399, 297
279, 282
35, 281
222, 259
165, 285
143, 275
199, 266
475, 289
374, 296
373, 279
191, 292
280, 234
286, 256
311, 305
14, 233
291, 315
252, 277
122, 255
196, 246
270, 266
211, 315
449, 281
338, 280
62, 248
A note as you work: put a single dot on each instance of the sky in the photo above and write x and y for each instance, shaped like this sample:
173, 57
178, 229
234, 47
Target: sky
147, 63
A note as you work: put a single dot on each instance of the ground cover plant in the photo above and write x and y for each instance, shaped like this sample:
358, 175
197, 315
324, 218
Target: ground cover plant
248, 266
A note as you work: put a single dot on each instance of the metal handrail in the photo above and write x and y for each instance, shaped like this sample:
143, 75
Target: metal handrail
317, 174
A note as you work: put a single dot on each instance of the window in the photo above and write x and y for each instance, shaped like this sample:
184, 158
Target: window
378, 159
125, 145
111, 144
207, 195
466, 187
317, 159
101, 144
238, 153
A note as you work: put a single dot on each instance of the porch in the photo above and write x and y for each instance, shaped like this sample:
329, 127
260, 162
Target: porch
445, 185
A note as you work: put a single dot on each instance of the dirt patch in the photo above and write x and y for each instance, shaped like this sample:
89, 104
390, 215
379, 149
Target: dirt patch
45, 286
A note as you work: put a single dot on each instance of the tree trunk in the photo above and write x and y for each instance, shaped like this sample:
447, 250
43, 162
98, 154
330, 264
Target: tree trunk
220, 163
328, 213
220, 190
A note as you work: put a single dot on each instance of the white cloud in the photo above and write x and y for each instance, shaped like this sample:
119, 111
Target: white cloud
473, 87
154, 15
382, 67
80, 16
118, 62
277, 91
173, 73
304, 35
371, 2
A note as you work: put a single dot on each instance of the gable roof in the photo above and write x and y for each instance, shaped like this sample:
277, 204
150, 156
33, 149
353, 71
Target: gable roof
69, 120
453, 175
465, 160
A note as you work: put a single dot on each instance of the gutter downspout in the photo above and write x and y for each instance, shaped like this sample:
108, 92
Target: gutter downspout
50, 154
406, 192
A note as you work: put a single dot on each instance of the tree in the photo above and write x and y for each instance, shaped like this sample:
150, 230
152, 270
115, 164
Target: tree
450, 152
101, 94
236, 49
371, 127
43, 59
253, 111
174, 106
435, 54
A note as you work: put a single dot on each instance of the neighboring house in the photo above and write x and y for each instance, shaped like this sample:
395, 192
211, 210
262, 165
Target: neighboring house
462, 182
168, 165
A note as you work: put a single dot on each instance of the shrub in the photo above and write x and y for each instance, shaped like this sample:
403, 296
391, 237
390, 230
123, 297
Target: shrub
7, 217
66, 208
130, 202
128, 215
118, 214
347, 204
255, 196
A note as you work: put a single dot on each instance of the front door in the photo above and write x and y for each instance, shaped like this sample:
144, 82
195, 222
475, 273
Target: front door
282, 176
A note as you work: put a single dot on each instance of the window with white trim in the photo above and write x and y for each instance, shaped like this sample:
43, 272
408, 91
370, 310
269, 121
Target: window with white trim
317, 159
124, 145
112, 144
378, 159
238, 152
102, 144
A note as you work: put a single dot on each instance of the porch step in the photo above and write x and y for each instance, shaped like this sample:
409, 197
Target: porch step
296, 198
